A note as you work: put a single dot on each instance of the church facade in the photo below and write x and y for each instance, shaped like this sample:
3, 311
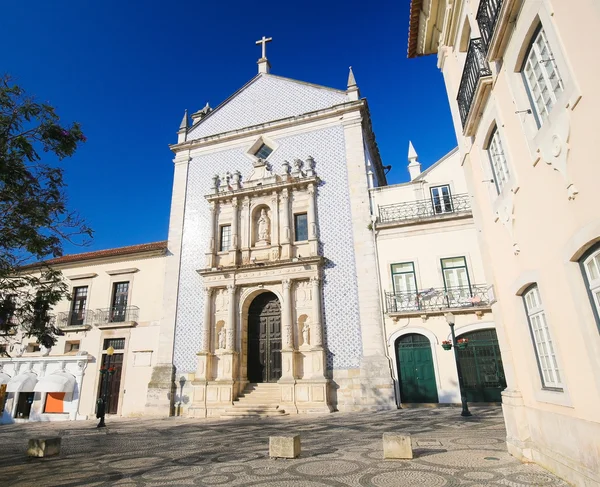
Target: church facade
273, 277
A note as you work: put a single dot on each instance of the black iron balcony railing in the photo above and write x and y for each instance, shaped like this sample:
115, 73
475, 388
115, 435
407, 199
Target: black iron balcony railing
438, 299
117, 314
475, 68
74, 318
487, 16
425, 209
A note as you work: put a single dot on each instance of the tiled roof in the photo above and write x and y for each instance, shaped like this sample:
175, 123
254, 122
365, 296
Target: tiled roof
100, 254
413, 27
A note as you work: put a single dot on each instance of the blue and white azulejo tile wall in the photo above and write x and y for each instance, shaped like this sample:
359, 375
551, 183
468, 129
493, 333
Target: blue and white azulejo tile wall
340, 295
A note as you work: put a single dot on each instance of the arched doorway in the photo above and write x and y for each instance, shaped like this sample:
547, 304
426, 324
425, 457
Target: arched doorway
415, 369
481, 366
264, 339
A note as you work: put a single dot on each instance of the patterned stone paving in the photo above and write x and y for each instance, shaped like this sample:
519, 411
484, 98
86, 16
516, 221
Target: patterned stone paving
337, 450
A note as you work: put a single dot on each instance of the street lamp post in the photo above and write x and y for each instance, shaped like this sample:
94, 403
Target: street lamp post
105, 372
450, 319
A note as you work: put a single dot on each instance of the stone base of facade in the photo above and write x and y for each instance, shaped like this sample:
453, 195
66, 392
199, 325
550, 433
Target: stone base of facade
566, 446
369, 388
161, 392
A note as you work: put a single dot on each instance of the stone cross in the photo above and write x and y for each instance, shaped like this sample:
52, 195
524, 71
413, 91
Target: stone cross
264, 41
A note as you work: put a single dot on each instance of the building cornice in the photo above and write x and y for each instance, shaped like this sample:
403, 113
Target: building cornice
273, 125
234, 271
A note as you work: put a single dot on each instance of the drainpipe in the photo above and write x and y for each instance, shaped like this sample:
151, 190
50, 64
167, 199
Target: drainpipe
381, 299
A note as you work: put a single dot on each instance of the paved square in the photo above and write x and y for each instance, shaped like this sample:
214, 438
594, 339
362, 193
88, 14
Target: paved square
337, 450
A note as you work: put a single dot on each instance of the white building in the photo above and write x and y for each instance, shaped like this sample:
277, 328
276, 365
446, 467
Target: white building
116, 302
430, 265
521, 77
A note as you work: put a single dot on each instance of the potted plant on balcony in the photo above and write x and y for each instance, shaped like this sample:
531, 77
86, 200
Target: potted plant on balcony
447, 345
462, 343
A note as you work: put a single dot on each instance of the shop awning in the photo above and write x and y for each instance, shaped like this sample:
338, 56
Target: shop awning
56, 382
4, 378
24, 382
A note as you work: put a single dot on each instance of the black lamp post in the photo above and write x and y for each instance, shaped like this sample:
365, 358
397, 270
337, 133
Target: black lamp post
105, 372
463, 398
181, 384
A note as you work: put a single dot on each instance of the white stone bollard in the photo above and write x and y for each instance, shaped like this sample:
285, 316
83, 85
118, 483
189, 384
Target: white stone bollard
43, 447
397, 446
284, 446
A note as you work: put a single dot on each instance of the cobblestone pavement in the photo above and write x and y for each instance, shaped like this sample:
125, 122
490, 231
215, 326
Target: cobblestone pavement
337, 450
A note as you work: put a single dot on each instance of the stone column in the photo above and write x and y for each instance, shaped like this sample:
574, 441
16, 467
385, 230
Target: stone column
285, 224
229, 344
234, 230
205, 344
245, 237
287, 343
275, 226
286, 316
210, 251
312, 219
316, 328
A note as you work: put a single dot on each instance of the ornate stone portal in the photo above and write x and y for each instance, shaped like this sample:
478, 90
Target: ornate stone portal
269, 245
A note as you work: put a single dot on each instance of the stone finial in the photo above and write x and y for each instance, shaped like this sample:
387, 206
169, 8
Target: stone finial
200, 114
224, 186
297, 172
183, 127
184, 122
352, 90
414, 166
351, 79
236, 180
215, 185
310, 167
285, 168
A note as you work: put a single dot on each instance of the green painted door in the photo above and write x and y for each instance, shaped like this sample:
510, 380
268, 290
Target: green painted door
481, 365
415, 369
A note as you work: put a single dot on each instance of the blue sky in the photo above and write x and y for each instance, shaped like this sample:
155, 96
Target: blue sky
127, 70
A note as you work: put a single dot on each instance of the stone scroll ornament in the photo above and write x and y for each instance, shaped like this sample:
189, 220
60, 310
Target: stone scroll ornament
505, 215
554, 150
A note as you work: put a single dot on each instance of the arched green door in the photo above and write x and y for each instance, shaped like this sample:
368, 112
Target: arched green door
481, 365
415, 369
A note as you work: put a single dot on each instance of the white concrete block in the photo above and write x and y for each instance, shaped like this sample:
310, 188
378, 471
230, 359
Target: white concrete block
43, 447
284, 446
397, 446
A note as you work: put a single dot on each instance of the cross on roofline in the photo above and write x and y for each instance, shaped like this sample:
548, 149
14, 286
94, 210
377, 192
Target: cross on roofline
264, 41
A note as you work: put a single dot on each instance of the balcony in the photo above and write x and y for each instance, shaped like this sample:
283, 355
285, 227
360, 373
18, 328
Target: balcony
422, 210
465, 299
475, 86
75, 320
117, 316
494, 18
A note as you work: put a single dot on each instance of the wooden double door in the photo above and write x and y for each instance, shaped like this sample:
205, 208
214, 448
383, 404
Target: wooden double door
415, 369
111, 382
264, 339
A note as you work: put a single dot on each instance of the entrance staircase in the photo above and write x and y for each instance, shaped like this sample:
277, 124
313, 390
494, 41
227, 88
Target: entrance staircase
257, 401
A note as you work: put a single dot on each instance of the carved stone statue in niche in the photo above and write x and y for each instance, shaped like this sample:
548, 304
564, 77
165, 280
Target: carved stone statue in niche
222, 335
263, 227
305, 331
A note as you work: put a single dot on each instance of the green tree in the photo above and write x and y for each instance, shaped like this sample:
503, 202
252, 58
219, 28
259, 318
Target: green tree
34, 219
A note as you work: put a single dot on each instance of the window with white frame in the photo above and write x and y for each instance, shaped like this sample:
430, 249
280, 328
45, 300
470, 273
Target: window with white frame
498, 161
542, 76
591, 273
542, 341
225, 238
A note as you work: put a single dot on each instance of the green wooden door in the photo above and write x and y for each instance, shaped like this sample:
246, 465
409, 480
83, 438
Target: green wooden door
481, 365
415, 369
